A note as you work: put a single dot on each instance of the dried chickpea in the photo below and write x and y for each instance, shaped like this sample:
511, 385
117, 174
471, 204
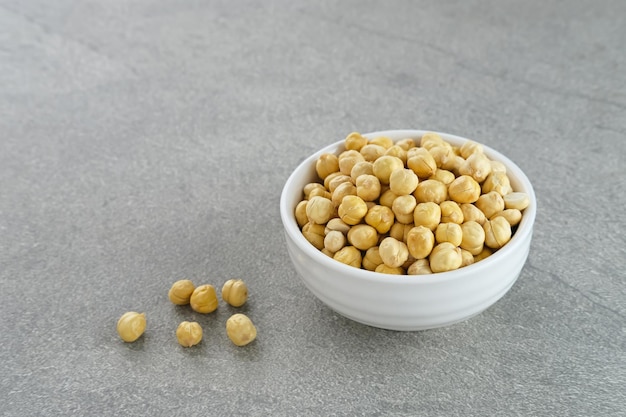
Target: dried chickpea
131, 326
337, 180
490, 203
497, 166
497, 232
380, 218
431, 191
427, 215
352, 209
310, 187
403, 181
513, 216
336, 224
342, 190
406, 144
486, 252
393, 252
421, 162
386, 269
181, 291
419, 267
361, 168
464, 189
327, 252
443, 156
235, 292
477, 165
470, 147
368, 187
372, 152
397, 151
320, 192
420, 242
449, 232
403, 207
383, 141
431, 139
473, 237
301, 217
451, 212
334, 241
240, 329
354, 141
363, 236
497, 181
349, 255
329, 179
472, 213
204, 299
326, 164
400, 231
385, 165
372, 258
387, 197
466, 258
443, 176
445, 257
319, 210
189, 333
314, 233
517, 200
347, 159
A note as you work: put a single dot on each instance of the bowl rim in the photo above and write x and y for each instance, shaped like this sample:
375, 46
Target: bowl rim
523, 231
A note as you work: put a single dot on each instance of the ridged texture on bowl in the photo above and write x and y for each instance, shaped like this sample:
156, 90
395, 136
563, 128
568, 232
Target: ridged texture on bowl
406, 302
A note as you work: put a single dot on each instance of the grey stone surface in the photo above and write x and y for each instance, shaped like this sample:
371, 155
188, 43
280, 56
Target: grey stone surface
146, 141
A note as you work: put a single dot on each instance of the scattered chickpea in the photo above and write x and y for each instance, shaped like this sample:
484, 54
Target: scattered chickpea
349, 255
393, 252
181, 291
240, 329
189, 333
204, 299
131, 326
235, 292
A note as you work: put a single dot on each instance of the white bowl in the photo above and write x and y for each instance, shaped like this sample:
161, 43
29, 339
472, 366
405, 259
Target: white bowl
406, 302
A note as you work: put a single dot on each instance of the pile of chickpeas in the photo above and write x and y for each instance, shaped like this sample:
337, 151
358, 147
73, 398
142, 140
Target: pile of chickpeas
410, 207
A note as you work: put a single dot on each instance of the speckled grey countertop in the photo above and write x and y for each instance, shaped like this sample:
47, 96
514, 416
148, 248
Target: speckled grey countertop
146, 141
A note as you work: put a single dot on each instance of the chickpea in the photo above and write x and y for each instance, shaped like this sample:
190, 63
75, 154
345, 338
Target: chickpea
386, 269
235, 292
381, 218
372, 258
403, 181
334, 240
513, 216
327, 252
445, 257
329, 179
204, 299
451, 212
400, 231
383, 141
189, 333
326, 164
363, 236
337, 180
498, 182
449, 232
240, 329
490, 203
431, 191
466, 258
421, 162
420, 242
368, 187
387, 197
131, 326
517, 200
320, 192
319, 210
349, 255
473, 237
181, 291
472, 213
372, 152
406, 144
419, 267
310, 187
385, 165
361, 168
393, 252
443, 176
403, 207
477, 165
354, 141
342, 190
336, 224
427, 215
347, 159
497, 166
470, 147
352, 209
441, 154
464, 189
486, 252
314, 233
431, 139
398, 152
497, 232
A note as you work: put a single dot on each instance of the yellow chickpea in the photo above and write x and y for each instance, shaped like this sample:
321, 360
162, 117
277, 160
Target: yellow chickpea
403, 207
380, 217
363, 236
490, 203
310, 187
473, 237
361, 168
464, 189
398, 152
319, 210
372, 258
372, 152
329, 179
443, 156
189, 333
235, 292
486, 252
431, 139
419, 267
319, 192
349, 255
131, 326
314, 233
477, 165
443, 176
383, 141
400, 231
301, 217
497, 181
497, 232
497, 166
470, 147
204, 299
420, 242
451, 212
181, 291
326, 164
421, 162
336, 181
431, 191
385, 165
403, 181
387, 197
516, 200
466, 258
334, 240
449, 232
342, 190
386, 269
406, 144
445, 257
240, 329
393, 252
355, 141
427, 215
347, 160
336, 224
352, 209
513, 216
472, 213
368, 187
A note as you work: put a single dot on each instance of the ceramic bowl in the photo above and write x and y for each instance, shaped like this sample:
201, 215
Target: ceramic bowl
406, 302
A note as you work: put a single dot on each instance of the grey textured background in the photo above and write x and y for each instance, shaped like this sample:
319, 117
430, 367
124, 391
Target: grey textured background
146, 141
